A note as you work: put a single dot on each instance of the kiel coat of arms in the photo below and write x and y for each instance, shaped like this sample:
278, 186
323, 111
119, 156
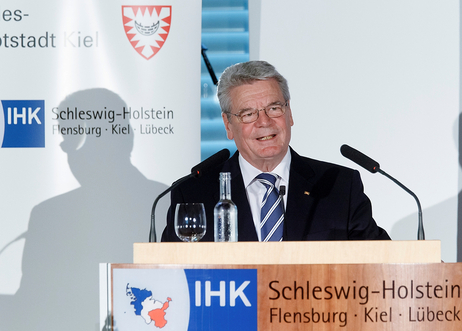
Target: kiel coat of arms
147, 27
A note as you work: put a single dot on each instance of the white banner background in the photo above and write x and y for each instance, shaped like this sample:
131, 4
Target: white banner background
383, 77
86, 201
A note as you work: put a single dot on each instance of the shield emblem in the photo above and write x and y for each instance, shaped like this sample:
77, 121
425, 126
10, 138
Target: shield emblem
147, 27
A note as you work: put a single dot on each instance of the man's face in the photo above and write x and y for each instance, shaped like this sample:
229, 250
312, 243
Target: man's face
264, 142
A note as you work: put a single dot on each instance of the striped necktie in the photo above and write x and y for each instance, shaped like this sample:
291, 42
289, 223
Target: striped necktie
272, 211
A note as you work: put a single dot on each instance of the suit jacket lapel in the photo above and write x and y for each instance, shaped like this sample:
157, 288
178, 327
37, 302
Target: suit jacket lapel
299, 201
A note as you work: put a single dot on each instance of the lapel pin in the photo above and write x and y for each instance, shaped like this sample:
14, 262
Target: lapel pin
306, 193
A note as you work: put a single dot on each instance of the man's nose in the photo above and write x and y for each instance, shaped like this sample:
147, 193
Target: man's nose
262, 117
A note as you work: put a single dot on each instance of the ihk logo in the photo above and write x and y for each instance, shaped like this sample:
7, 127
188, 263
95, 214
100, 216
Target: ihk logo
22, 124
221, 293
218, 295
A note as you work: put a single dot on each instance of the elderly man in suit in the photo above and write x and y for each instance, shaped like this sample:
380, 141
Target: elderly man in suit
324, 201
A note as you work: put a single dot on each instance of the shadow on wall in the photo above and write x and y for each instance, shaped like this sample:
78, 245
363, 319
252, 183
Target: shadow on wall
70, 234
435, 218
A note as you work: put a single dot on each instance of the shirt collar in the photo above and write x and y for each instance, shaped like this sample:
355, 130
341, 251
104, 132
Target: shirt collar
249, 172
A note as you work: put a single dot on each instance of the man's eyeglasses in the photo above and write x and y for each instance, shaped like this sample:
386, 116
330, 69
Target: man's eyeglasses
250, 115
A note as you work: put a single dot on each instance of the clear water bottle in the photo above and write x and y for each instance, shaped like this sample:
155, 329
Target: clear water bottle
225, 212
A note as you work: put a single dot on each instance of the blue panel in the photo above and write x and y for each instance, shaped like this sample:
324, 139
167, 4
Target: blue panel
222, 299
209, 148
24, 123
225, 4
225, 26
226, 20
221, 61
227, 42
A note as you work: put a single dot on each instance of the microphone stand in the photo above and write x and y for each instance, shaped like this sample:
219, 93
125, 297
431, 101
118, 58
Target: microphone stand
196, 171
420, 228
282, 192
152, 231
208, 65
373, 166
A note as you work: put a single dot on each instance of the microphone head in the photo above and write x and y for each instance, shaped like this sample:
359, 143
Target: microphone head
363, 160
282, 190
210, 162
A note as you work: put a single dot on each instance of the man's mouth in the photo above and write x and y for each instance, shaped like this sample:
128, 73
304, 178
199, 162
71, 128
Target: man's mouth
266, 137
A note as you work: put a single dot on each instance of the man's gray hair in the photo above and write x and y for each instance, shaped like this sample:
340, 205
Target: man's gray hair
247, 73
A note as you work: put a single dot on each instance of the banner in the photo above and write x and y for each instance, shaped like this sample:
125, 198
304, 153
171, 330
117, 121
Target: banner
99, 113
275, 297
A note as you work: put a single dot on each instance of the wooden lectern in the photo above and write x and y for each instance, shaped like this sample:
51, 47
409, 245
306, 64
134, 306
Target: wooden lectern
290, 252
354, 285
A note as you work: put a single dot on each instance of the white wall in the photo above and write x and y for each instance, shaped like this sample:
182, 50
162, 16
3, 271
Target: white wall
383, 77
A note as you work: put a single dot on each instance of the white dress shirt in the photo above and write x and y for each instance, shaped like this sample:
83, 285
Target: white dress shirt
256, 190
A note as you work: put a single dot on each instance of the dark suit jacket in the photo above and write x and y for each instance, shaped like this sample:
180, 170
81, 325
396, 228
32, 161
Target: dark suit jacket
324, 202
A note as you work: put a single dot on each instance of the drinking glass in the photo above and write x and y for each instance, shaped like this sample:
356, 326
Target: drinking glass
190, 222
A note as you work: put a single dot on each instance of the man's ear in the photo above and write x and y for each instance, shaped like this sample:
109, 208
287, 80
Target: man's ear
291, 120
229, 133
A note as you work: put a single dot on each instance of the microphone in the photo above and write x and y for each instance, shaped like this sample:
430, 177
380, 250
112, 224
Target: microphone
210, 162
363, 160
282, 190
373, 166
196, 172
